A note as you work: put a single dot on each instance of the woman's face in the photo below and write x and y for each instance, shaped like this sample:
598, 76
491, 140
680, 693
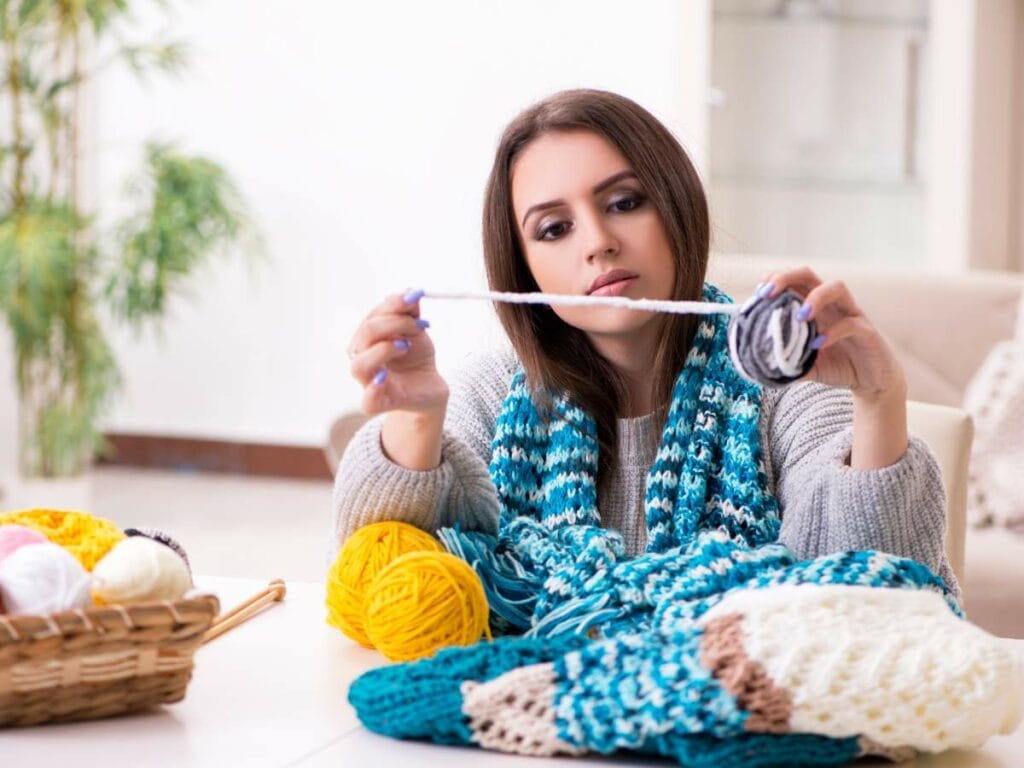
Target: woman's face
581, 215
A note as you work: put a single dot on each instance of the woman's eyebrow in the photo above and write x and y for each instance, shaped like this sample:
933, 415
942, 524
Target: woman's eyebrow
597, 189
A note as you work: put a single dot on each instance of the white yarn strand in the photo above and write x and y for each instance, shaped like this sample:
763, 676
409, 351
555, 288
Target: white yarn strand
787, 355
648, 305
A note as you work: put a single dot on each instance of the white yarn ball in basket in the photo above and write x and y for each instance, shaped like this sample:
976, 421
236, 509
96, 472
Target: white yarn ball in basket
138, 569
42, 578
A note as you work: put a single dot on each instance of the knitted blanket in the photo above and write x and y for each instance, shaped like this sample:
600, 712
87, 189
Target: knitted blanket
715, 645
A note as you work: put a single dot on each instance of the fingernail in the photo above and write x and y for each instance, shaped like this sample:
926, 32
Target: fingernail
413, 295
804, 312
817, 341
379, 378
421, 323
402, 344
765, 289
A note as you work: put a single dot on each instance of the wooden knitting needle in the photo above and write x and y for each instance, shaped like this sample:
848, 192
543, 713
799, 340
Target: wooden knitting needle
274, 592
275, 587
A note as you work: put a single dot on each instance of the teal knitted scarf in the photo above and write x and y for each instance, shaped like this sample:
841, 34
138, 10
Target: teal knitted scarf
553, 569
556, 576
708, 473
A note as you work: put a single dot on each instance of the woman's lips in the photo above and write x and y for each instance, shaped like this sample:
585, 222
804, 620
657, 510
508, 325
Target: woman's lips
614, 289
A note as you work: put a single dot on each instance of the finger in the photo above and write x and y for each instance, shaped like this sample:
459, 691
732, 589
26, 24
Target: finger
379, 328
832, 295
366, 366
800, 279
846, 328
406, 303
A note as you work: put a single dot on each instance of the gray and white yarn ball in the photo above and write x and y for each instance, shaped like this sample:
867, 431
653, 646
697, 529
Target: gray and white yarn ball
767, 344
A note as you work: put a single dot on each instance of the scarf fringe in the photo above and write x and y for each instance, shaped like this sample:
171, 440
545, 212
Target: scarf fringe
577, 617
511, 589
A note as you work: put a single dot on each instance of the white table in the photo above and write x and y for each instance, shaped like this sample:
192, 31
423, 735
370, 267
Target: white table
272, 692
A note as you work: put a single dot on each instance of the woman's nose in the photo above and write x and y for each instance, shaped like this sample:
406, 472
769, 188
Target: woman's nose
600, 240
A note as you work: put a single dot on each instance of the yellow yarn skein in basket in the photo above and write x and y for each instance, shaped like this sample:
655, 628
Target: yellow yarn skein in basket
85, 536
422, 602
366, 553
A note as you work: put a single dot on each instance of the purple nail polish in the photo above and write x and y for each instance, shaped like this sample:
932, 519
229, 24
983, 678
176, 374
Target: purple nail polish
421, 323
379, 378
804, 312
765, 290
413, 295
402, 344
817, 341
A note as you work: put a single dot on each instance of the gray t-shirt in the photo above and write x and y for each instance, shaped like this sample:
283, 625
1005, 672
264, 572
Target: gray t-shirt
806, 432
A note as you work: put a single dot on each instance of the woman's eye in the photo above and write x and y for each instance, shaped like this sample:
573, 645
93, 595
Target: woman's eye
624, 204
552, 231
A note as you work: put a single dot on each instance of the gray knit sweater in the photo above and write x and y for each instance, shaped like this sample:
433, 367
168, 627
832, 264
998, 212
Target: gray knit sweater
806, 432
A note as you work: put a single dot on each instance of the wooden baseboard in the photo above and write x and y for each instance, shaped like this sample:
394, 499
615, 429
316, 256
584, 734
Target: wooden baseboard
192, 454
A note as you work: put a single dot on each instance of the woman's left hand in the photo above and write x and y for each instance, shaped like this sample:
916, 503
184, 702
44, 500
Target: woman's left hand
853, 354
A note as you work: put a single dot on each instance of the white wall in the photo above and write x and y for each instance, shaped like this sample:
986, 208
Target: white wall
950, 117
362, 135
8, 417
997, 140
1017, 212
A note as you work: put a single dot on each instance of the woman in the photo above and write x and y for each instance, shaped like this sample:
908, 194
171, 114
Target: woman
590, 194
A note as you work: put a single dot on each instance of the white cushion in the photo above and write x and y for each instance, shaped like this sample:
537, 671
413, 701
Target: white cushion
948, 432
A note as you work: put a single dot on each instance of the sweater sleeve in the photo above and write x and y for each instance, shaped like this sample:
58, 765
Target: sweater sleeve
369, 487
828, 506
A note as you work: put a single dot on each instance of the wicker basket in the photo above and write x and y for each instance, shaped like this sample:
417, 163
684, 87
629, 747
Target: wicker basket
98, 662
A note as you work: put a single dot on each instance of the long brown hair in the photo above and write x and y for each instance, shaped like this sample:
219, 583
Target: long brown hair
556, 356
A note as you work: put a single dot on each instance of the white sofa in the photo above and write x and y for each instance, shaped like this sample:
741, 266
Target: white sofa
942, 326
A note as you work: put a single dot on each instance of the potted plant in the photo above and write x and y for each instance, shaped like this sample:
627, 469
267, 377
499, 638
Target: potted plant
61, 277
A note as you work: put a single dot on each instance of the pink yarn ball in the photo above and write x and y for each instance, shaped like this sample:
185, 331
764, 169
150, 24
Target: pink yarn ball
13, 536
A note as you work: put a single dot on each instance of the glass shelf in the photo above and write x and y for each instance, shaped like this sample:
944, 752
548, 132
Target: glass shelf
915, 24
816, 141
833, 184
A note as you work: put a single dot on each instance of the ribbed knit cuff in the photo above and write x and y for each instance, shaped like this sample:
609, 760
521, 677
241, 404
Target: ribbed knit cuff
369, 488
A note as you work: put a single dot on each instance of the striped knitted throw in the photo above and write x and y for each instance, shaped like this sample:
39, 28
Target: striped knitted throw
651, 653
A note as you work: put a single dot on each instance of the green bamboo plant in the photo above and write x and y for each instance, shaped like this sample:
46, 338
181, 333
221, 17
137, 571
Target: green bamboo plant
61, 278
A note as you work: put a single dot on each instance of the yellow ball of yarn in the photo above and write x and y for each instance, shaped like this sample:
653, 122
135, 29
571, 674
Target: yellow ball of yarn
86, 537
367, 552
422, 602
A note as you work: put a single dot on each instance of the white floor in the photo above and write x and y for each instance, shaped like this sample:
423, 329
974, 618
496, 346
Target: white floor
230, 525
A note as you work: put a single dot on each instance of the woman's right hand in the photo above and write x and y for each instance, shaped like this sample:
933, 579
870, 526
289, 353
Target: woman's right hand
393, 358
